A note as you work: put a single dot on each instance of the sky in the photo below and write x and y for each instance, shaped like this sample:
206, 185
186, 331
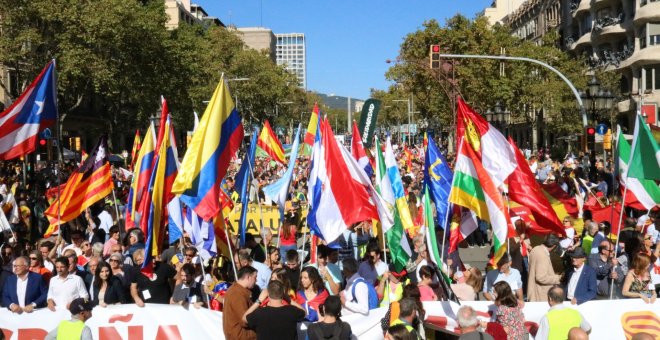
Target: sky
348, 41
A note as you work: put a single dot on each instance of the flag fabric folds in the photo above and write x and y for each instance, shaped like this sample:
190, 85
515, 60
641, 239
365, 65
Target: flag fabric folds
644, 162
463, 223
357, 150
279, 190
435, 252
394, 233
86, 186
312, 127
141, 177
160, 194
243, 183
438, 178
270, 144
137, 142
340, 192
640, 191
33, 111
400, 198
213, 144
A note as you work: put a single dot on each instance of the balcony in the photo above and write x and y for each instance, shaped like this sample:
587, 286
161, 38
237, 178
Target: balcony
648, 55
583, 6
584, 40
647, 13
611, 59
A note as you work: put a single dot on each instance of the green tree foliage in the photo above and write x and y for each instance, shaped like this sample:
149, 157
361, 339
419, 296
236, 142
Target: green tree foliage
115, 58
519, 86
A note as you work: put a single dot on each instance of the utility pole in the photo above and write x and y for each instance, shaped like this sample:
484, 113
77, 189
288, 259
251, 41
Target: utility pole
348, 114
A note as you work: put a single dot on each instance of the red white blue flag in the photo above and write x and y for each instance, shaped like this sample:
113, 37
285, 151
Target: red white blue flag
31, 113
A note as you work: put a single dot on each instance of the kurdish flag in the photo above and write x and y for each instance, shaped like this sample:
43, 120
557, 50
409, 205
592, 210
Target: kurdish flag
473, 188
644, 191
270, 144
216, 140
394, 234
312, 126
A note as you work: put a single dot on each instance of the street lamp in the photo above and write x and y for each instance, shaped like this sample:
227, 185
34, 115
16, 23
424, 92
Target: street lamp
597, 100
499, 117
155, 120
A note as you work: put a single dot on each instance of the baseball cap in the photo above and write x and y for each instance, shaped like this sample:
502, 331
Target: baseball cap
80, 305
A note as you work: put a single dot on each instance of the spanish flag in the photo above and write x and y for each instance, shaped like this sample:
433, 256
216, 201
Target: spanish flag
270, 144
87, 185
216, 140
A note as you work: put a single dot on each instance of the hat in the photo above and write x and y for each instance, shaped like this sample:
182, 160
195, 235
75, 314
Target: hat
577, 253
80, 305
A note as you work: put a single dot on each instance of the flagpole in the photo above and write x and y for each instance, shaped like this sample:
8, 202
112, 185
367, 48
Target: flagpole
59, 155
303, 245
444, 235
261, 215
230, 246
618, 232
121, 228
384, 242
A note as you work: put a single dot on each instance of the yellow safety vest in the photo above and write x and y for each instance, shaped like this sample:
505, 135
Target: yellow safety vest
69, 329
398, 293
401, 322
560, 322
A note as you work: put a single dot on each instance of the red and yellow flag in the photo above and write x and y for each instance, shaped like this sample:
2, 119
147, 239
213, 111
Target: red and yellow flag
86, 186
312, 126
270, 144
137, 143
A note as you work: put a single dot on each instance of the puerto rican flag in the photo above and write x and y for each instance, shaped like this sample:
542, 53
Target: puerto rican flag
31, 113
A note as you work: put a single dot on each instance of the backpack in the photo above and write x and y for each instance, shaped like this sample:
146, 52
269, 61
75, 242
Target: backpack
373, 296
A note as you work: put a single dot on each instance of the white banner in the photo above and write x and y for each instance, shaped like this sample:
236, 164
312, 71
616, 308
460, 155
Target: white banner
608, 318
154, 321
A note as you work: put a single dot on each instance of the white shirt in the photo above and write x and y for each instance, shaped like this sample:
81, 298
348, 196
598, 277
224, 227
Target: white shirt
544, 326
21, 288
263, 274
572, 284
361, 305
63, 291
381, 268
106, 221
568, 241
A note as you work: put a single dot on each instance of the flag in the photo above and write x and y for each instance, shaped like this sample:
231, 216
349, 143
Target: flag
87, 185
174, 220
340, 191
279, 190
438, 178
243, 182
357, 150
33, 111
463, 223
141, 176
644, 161
400, 198
195, 121
407, 157
312, 127
473, 188
434, 251
136, 148
270, 144
643, 191
159, 194
213, 144
489, 145
395, 236
525, 190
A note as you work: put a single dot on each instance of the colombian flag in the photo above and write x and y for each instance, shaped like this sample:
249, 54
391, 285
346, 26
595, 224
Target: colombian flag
312, 126
205, 164
162, 177
86, 186
268, 142
141, 175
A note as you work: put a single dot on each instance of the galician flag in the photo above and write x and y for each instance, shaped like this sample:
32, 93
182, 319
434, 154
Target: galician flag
394, 234
474, 189
644, 191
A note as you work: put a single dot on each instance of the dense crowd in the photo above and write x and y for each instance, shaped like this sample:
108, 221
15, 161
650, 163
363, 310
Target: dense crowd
271, 285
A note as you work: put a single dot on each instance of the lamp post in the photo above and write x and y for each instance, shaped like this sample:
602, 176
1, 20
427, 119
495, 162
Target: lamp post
409, 113
499, 117
597, 100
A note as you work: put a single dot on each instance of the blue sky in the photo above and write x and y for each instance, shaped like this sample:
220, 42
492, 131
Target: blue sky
347, 41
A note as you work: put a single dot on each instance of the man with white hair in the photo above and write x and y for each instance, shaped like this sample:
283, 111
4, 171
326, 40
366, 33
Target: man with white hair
469, 324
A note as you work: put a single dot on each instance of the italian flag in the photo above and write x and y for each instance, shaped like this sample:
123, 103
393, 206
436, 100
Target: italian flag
644, 191
474, 189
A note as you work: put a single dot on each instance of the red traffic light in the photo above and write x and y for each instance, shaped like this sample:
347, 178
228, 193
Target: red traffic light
591, 131
435, 48
42, 142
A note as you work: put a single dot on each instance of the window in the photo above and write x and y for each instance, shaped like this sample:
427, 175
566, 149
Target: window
652, 78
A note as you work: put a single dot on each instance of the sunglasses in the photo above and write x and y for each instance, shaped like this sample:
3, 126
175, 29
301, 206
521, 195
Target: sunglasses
33, 258
113, 260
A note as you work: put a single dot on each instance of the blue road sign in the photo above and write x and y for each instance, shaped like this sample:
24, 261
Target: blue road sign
601, 129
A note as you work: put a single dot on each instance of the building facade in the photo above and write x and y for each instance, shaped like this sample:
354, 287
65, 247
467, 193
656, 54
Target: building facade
291, 52
620, 36
534, 18
185, 12
499, 9
258, 38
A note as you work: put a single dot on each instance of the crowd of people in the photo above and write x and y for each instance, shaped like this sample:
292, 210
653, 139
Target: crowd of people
270, 285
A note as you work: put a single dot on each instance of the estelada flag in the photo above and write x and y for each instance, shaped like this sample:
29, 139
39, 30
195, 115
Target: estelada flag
87, 185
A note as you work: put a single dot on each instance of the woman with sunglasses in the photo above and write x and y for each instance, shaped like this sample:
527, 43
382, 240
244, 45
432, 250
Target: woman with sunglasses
106, 289
37, 266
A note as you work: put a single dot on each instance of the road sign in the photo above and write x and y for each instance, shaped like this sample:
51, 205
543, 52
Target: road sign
601, 129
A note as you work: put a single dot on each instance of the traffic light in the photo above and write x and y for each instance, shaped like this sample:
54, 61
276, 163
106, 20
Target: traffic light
434, 56
42, 142
591, 138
